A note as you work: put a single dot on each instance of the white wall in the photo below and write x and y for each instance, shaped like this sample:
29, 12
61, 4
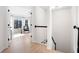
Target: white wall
39, 19
75, 31
33, 23
3, 28
50, 44
63, 29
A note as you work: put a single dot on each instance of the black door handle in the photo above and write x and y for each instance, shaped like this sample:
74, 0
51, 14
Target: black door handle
75, 27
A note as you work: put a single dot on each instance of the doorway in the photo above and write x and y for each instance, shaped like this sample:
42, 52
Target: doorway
19, 26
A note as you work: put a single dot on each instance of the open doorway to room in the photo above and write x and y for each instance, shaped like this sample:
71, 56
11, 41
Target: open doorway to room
19, 29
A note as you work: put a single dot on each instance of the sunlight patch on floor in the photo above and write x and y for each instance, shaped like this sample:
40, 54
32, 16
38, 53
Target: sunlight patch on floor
18, 35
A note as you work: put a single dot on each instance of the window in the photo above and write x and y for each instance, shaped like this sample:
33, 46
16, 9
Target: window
17, 24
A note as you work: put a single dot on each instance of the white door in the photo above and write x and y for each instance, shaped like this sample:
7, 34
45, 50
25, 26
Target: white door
39, 34
63, 28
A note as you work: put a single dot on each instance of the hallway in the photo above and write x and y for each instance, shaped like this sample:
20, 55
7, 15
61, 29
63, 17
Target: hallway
50, 26
23, 44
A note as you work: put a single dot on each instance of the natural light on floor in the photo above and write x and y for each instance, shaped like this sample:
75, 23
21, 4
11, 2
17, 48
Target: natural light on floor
17, 35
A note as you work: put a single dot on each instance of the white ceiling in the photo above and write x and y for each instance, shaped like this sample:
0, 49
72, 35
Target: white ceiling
26, 7
44, 7
30, 7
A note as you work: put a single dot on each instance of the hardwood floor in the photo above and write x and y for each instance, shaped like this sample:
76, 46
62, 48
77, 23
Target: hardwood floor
38, 48
23, 44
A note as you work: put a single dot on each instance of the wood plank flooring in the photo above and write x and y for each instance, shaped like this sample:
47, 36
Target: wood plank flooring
24, 44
